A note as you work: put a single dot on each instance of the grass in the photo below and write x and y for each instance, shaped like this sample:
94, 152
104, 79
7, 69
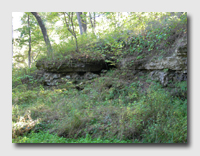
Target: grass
106, 108
46, 137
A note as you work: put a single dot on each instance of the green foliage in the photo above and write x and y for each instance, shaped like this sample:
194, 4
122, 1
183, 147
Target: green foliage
109, 109
23, 76
182, 85
24, 97
46, 137
166, 119
165, 70
22, 42
139, 57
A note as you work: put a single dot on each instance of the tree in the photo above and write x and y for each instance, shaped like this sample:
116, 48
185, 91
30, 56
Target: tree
79, 22
71, 30
31, 41
24, 40
82, 22
12, 42
44, 32
92, 22
29, 51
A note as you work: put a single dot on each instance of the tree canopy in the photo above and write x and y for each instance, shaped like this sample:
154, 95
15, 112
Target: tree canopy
64, 33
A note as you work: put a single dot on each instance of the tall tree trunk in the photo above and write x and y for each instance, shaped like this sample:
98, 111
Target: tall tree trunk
44, 32
79, 22
84, 22
29, 51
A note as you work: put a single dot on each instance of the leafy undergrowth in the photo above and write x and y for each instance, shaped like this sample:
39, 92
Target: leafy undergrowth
149, 37
106, 108
42, 137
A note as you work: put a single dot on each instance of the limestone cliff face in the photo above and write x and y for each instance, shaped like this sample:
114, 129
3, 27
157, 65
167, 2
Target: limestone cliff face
171, 67
53, 79
76, 69
73, 65
177, 61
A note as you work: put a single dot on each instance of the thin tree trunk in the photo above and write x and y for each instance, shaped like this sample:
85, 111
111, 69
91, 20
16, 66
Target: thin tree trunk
94, 20
74, 32
91, 19
118, 24
92, 24
71, 31
29, 51
44, 32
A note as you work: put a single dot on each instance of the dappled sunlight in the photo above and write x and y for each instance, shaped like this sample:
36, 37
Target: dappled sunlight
24, 125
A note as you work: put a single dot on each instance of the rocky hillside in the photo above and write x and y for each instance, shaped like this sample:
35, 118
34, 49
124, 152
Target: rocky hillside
128, 86
165, 67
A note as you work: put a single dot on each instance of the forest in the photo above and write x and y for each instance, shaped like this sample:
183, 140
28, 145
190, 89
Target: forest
100, 77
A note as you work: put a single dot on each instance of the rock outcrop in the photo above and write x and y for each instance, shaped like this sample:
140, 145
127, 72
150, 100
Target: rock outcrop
73, 65
171, 67
53, 79
177, 61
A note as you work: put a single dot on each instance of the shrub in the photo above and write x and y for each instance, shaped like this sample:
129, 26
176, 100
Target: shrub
46, 137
